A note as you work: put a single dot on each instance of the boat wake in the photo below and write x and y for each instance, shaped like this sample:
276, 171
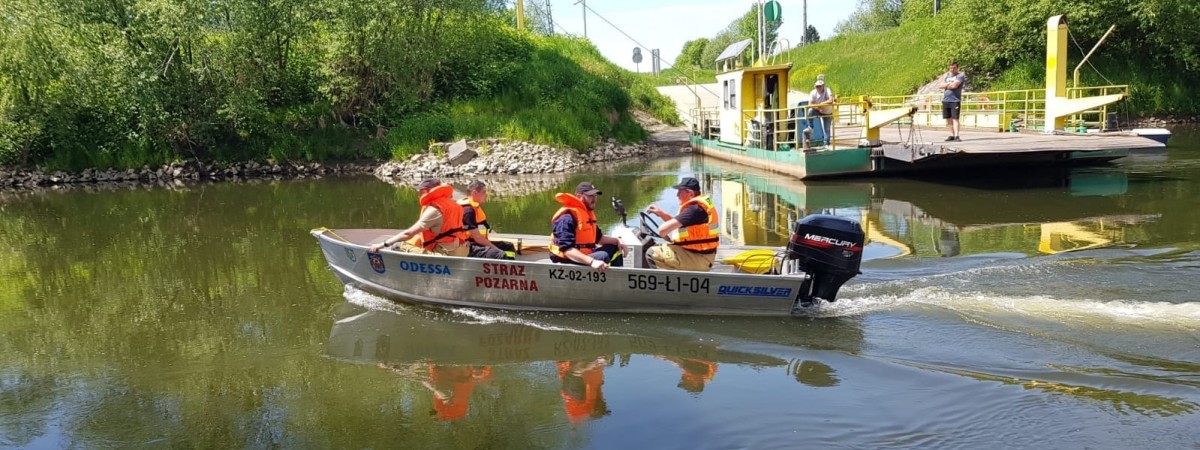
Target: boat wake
486, 317
371, 301
1065, 311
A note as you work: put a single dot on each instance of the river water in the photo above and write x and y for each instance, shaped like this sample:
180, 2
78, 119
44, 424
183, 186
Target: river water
1026, 310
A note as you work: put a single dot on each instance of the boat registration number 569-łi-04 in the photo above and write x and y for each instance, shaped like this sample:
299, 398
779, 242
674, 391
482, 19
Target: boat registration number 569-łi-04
668, 283
578, 275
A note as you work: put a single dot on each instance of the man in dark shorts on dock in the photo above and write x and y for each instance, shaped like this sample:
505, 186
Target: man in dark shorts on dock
952, 99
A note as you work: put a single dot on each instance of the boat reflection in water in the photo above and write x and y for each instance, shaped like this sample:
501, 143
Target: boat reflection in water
1041, 214
460, 356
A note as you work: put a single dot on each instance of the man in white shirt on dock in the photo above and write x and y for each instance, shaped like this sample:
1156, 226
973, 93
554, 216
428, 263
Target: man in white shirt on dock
820, 102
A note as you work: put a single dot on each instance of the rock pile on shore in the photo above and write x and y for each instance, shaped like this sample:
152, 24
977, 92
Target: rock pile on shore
467, 159
463, 159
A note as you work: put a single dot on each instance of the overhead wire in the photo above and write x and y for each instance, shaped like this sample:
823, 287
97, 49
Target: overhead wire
1089, 62
639, 44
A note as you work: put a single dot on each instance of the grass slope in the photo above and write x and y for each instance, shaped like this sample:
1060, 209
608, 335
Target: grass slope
566, 94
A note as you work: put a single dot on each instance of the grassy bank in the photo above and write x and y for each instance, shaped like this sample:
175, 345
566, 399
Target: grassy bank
294, 81
565, 94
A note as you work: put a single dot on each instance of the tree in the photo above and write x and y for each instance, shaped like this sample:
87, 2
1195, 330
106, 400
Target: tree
745, 27
811, 35
872, 15
692, 53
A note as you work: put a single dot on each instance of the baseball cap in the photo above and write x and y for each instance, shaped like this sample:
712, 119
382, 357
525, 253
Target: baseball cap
819, 83
688, 183
429, 183
586, 187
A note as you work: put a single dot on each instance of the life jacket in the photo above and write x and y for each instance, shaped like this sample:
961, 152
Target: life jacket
581, 405
585, 224
462, 381
700, 238
452, 228
696, 373
480, 217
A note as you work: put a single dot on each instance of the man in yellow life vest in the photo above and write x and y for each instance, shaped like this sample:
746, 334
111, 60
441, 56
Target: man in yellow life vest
576, 239
695, 247
439, 230
477, 227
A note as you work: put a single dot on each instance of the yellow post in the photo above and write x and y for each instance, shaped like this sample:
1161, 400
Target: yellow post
1056, 67
1058, 106
520, 14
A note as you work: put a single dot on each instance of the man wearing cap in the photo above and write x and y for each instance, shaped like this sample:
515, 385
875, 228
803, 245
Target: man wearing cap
820, 102
439, 230
576, 239
695, 246
477, 227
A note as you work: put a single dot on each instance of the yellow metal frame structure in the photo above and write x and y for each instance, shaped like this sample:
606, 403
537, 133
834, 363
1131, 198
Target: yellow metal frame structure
1057, 107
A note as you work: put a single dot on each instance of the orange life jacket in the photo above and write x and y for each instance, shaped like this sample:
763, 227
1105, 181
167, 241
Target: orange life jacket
700, 238
452, 228
585, 224
579, 409
480, 217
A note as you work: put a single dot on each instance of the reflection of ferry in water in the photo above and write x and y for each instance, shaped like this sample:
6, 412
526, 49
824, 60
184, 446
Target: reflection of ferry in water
1060, 212
453, 352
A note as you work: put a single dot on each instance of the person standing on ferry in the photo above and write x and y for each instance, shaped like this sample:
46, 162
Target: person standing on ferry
952, 99
820, 112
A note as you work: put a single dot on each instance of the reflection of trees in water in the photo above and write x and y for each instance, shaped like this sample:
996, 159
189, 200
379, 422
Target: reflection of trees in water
189, 316
24, 400
159, 316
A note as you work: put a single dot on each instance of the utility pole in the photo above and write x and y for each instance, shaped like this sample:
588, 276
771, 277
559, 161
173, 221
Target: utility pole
520, 14
804, 31
762, 34
584, 3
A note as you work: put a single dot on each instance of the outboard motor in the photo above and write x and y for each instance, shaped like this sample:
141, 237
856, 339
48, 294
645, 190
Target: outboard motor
828, 249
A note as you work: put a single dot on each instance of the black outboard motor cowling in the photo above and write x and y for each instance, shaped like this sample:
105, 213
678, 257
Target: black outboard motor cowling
827, 248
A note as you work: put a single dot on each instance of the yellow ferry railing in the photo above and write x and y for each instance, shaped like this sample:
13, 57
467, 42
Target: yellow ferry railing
1098, 117
1003, 110
780, 130
706, 122
996, 110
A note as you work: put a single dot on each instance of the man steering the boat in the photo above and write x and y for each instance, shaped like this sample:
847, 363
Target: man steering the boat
576, 239
439, 230
695, 246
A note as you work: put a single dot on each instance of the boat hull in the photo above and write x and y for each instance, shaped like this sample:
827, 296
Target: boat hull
792, 162
545, 286
898, 159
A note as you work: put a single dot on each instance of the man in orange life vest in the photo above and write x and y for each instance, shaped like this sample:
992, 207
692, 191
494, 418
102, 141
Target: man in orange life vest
695, 247
477, 227
696, 372
576, 239
452, 387
582, 396
439, 228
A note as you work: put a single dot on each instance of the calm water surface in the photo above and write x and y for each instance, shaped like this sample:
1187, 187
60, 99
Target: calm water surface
1029, 310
